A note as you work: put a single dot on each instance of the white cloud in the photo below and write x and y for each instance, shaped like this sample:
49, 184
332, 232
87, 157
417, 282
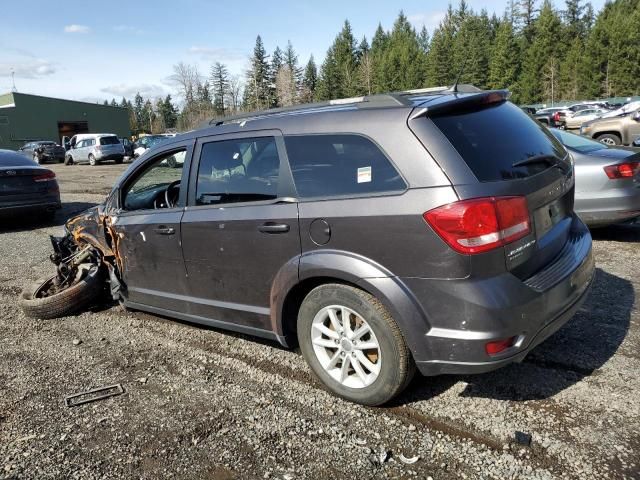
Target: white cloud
217, 54
147, 90
76, 29
28, 69
431, 20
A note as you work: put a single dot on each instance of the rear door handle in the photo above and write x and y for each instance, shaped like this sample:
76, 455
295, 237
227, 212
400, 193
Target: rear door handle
162, 230
271, 227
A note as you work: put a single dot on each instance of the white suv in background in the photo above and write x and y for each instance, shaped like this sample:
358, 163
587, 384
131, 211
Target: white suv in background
94, 148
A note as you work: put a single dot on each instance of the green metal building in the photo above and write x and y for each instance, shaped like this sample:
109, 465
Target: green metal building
26, 117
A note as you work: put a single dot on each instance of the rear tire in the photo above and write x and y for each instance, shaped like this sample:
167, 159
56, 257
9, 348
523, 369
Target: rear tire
610, 139
72, 300
92, 160
387, 364
119, 160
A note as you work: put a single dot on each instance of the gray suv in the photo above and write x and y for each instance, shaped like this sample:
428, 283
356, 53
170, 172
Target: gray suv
379, 234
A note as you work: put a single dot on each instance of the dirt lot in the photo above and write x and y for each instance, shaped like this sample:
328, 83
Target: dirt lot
201, 403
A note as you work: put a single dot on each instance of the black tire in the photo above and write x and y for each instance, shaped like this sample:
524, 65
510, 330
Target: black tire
609, 139
68, 160
397, 368
119, 160
92, 160
67, 302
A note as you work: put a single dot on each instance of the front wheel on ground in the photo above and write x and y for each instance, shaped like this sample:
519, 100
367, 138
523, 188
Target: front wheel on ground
353, 345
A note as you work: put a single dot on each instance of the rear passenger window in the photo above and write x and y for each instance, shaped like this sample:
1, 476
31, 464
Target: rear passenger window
338, 165
239, 170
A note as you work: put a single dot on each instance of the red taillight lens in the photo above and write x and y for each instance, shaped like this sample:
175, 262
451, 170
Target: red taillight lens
45, 177
481, 224
622, 170
494, 348
556, 116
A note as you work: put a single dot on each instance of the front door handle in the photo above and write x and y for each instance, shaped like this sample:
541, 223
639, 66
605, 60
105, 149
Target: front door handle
271, 227
162, 230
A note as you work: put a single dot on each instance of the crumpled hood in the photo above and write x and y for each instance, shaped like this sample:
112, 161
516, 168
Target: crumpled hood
88, 227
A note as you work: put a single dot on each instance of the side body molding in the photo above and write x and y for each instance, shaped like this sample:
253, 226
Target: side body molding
360, 271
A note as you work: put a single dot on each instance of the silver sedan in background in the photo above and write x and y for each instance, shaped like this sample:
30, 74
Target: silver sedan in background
607, 180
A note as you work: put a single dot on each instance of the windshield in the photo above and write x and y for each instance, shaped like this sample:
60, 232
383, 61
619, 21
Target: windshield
576, 142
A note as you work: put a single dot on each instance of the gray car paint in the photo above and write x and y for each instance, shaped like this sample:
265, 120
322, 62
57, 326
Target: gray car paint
447, 305
599, 200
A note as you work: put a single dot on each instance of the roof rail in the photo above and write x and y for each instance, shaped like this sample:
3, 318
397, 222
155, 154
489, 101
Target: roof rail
381, 100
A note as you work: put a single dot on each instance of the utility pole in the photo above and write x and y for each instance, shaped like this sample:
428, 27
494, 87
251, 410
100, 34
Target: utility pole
13, 81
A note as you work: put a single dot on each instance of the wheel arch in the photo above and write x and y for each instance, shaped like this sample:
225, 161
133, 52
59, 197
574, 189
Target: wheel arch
330, 266
597, 135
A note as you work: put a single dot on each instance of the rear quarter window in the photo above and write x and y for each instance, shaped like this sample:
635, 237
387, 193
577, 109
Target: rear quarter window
492, 139
340, 165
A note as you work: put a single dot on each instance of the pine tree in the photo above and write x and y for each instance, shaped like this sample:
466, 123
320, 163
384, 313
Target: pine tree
403, 61
309, 80
257, 92
338, 72
440, 59
526, 18
168, 112
291, 61
574, 18
504, 62
138, 111
544, 53
220, 85
113, 103
379, 46
424, 40
471, 48
572, 75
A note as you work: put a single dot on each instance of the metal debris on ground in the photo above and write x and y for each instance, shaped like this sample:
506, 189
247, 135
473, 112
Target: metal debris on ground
408, 461
523, 438
93, 395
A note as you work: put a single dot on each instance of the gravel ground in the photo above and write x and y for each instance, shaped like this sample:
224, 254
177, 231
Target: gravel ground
201, 403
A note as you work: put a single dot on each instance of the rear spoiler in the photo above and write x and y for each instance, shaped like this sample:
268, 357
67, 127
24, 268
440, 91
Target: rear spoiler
454, 102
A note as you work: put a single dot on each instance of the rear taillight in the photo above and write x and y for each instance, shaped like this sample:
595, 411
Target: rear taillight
45, 177
622, 170
556, 116
481, 224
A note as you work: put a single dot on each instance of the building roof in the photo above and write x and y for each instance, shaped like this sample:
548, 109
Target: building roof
11, 99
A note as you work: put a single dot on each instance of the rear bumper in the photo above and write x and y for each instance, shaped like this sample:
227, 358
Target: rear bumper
110, 156
618, 206
22, 208
463, 315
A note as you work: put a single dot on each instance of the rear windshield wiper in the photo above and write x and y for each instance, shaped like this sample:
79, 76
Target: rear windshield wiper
544, 158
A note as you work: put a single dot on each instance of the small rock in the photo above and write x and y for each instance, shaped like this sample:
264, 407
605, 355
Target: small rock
77, 341
412, 427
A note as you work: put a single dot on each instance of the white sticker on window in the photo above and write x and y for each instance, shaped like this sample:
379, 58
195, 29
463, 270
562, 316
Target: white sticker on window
364, 174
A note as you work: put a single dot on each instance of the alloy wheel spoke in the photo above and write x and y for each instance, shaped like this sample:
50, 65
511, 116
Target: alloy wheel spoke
368, 345
372, 367
346, 321
334, 361
323, 342
326, 330
355, 363
362, 330
334, 320
344, 370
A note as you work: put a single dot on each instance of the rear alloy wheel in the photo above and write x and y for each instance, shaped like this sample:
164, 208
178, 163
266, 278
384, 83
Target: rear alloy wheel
353, 345
92, 160
610, 139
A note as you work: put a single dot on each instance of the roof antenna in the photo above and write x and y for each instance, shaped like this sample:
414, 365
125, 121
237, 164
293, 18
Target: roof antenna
13, 81
454, 87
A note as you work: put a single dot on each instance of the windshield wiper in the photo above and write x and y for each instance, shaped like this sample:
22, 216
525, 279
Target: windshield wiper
544, 158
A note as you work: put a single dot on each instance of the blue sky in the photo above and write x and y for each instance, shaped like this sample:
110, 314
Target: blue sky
92, 50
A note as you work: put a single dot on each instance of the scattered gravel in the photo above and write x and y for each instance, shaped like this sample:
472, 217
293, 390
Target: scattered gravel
202, 403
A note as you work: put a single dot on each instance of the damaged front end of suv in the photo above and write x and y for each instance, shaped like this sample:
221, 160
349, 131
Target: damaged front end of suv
87, 267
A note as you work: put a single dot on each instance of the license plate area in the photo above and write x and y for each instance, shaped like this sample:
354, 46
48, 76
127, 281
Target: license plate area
549, 215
